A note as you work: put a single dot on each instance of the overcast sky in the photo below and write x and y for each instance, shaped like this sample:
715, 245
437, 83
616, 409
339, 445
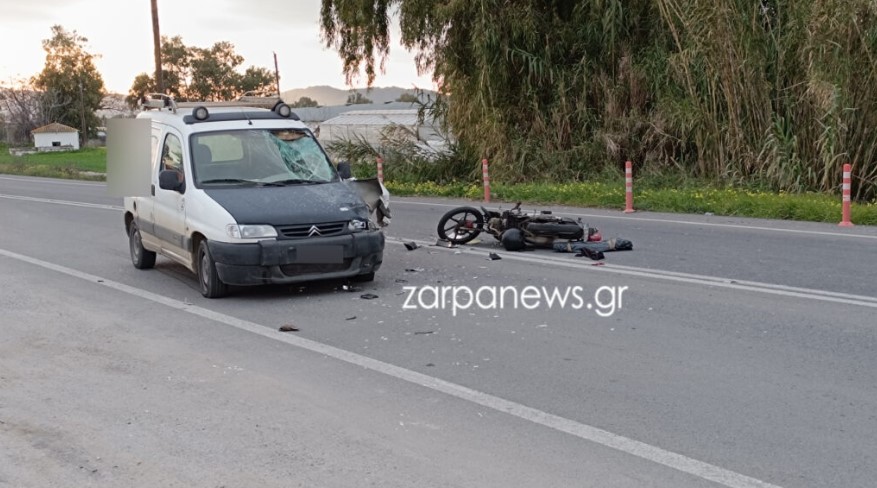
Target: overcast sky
120, 31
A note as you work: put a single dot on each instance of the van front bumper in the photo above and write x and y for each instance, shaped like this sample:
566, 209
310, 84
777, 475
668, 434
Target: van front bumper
297, 260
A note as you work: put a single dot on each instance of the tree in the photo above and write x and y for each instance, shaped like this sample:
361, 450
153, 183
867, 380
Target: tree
213, 72
357, 98
28, 108
143, 85
259, 80
72, 79
525, 75
195, 73
305, 102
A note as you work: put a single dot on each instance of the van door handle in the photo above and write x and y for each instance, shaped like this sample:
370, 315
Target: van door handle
153, 190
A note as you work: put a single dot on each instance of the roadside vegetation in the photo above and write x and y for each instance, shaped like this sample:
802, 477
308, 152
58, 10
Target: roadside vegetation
776, 94
411, 171
86, 164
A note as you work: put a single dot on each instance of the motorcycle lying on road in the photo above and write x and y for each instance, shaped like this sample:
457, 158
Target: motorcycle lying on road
514, 228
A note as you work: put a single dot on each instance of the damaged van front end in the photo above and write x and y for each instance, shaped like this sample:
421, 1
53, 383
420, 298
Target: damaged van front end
306, 232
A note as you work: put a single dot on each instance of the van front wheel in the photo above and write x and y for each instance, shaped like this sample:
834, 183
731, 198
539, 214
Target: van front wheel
208, 278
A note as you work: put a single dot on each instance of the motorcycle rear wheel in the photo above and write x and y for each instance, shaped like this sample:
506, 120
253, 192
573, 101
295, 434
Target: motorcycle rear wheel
460, 225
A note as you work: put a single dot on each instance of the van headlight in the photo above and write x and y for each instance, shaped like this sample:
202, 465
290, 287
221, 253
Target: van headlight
250, 231
357, 225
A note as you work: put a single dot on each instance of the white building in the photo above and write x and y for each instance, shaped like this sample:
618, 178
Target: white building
371, 124
55, 137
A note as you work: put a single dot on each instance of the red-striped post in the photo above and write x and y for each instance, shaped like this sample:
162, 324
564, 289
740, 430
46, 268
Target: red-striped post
486, 178
380, 162
847, 182
628, 187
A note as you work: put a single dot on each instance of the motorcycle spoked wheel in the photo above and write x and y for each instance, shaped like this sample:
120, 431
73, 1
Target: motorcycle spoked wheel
461, 225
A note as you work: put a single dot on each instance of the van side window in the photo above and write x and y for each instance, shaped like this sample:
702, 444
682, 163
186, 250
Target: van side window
154, 145
172, 155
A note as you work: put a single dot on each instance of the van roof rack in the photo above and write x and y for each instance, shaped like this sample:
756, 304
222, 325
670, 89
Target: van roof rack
158, 101
161, 101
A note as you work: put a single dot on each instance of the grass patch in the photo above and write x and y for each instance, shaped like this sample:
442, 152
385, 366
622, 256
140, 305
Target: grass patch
69, 165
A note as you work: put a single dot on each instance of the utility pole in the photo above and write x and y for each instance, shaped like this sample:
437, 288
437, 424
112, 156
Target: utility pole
83, 136
276, 75
156, 41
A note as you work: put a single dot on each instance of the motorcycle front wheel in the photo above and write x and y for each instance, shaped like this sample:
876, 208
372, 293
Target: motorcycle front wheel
461, 225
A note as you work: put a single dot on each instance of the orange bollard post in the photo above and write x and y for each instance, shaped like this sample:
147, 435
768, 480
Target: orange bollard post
847, 185
628, 187
486, 178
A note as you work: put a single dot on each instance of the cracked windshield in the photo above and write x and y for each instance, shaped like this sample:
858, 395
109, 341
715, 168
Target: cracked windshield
266, 157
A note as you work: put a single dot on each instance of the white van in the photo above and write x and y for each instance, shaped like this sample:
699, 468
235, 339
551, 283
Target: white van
243, 194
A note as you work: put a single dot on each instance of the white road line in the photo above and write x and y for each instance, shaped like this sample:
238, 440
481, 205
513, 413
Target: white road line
36, 179
586, 432
753, 286
669, 221
62, 202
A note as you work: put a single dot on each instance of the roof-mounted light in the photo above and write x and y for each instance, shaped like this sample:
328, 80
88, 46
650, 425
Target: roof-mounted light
200, 113
283, 110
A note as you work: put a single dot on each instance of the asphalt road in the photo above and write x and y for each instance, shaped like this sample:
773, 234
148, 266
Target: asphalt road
742, 355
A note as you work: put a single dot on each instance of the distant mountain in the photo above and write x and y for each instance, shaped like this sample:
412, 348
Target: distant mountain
328, 96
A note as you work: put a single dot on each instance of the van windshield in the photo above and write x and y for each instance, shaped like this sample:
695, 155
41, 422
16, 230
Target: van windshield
265, 157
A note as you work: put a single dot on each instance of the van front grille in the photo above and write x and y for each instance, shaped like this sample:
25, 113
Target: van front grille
300, 231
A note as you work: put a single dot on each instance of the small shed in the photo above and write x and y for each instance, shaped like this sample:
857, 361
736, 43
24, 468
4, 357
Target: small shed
55, 137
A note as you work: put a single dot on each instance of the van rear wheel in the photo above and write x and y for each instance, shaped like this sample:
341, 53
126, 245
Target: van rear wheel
208, 278
140, 257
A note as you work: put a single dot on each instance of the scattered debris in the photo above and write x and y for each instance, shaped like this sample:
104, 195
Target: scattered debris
474, 241
430, 365
351, 318
411, 245
288, 328
368, 296
350, 288
494, 256
444, 243
598, 264
541, 326
424, 332
100, 281
591, 254
400, 280
708, 213
604, 246
414, 270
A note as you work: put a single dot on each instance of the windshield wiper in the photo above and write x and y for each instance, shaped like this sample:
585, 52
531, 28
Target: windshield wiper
295, 181
230, 180
248, 182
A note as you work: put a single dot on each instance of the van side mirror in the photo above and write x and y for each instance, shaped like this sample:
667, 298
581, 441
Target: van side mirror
344, 170
170, 180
